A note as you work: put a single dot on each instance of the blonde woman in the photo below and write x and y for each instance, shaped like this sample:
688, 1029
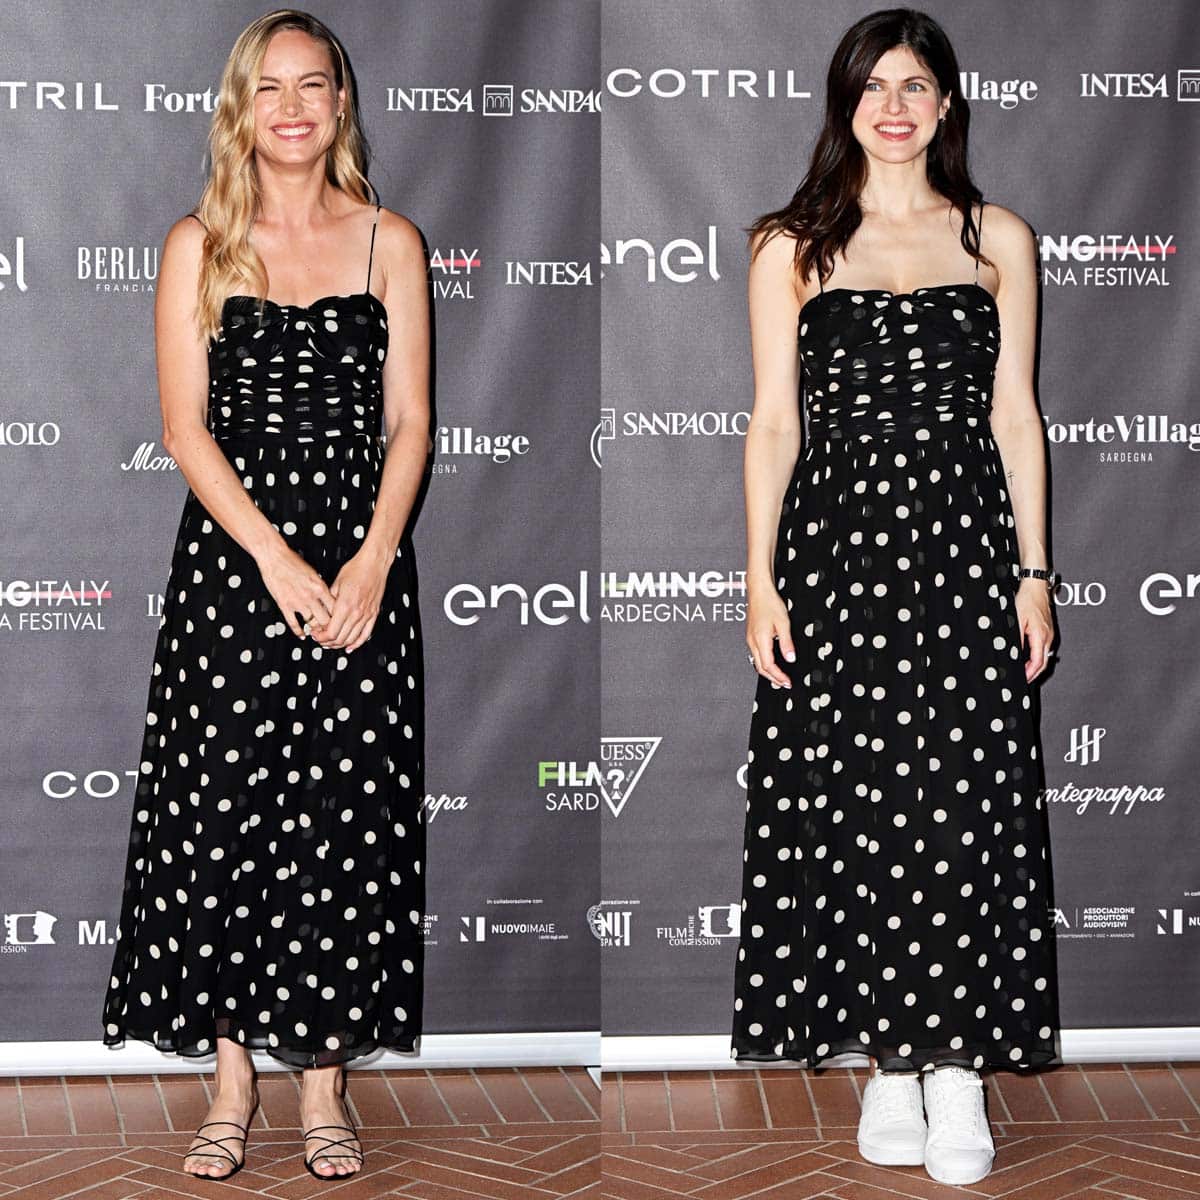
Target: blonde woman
274, 889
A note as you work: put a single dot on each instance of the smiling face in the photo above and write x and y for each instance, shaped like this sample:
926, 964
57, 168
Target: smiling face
900, 106
296, 104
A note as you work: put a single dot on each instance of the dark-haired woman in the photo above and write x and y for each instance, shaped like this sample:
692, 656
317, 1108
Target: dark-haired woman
896, 873
274, 881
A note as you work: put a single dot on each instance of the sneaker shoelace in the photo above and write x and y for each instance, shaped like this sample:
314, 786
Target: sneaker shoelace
895, 1100
955, 1110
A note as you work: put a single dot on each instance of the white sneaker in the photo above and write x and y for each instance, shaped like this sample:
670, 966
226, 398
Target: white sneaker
959, 1147
891, 1129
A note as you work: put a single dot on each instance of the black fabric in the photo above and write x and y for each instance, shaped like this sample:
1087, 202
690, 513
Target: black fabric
896, 883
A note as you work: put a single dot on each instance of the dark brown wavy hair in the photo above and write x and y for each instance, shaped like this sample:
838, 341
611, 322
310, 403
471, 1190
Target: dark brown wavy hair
824, 212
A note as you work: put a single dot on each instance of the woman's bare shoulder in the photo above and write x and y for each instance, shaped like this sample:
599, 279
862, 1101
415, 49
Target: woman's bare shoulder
183, 247
398, 235
1007, 226
777, 243
1007, 239
775, 262
187, 230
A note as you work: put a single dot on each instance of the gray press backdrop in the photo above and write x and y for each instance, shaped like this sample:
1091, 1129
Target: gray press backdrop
1084, 121
484, 121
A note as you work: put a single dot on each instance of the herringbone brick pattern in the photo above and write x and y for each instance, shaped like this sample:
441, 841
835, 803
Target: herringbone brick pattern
1095, 1133
530, 1134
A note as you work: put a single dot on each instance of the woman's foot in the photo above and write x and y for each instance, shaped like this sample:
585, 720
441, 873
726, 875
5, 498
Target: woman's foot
219, 1147
329, 1151
891, 1126
959, 1149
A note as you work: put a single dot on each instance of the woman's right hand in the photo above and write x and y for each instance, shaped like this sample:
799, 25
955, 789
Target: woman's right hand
766, 621
297, 588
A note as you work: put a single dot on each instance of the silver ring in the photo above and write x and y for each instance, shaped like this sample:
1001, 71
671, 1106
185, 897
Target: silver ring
750, 658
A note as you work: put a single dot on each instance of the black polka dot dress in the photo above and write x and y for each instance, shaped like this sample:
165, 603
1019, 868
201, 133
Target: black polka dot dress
895, 869
274, 887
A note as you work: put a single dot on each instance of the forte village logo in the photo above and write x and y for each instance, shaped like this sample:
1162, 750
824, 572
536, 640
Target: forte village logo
466, 444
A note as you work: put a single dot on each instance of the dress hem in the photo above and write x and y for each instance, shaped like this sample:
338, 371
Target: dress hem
408, 1045
741, 1051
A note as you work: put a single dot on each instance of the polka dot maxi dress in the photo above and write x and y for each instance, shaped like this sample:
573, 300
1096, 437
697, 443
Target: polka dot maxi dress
895, 871
274, 888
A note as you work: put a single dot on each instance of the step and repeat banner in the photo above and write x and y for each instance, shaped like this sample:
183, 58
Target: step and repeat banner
587, 692
1084, 121
484, 122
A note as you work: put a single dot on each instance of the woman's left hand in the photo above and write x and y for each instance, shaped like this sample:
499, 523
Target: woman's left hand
358, 593
1036, 624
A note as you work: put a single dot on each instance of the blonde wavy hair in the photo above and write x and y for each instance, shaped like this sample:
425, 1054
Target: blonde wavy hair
231, 198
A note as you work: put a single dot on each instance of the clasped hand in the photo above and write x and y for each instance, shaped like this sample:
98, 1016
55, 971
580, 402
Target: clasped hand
339, 616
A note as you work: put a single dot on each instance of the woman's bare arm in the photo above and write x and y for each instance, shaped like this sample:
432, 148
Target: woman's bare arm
1015, 423
399, 250
183, 395
772, 442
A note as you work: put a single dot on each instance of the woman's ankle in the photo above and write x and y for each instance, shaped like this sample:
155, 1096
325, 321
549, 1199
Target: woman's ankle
323, 1081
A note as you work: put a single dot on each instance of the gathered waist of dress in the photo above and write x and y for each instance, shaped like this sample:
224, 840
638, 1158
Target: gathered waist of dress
913, 421
298, 432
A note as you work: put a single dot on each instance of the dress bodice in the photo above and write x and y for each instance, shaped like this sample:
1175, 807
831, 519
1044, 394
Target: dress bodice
305, 371
876, 362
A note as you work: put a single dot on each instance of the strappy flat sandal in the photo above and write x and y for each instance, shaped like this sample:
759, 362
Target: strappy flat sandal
226, 1154
357, 1155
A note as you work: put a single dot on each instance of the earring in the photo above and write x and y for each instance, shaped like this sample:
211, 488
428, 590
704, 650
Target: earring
341, 117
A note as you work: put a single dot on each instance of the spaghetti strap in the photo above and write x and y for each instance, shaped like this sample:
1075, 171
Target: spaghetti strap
202, 225
371, 256
981, 203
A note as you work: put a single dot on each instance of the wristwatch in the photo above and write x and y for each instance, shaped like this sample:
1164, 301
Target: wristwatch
1049, 575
